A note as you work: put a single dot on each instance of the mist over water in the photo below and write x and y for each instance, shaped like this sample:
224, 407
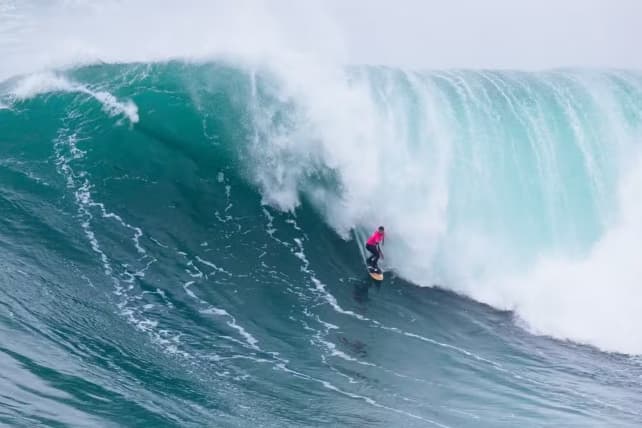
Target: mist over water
198, 186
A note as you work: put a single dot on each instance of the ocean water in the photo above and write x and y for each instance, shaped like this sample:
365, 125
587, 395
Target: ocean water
181, 244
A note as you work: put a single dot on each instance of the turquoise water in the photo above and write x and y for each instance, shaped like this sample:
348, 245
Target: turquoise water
180, 246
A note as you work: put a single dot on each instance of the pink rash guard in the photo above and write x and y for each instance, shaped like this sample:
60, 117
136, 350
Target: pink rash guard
375, 238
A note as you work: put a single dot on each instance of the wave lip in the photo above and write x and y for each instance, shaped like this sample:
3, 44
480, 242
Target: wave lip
42, 83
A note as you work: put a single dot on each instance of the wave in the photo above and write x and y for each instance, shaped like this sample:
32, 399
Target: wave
517, 189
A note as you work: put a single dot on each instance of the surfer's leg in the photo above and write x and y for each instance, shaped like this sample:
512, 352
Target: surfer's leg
372, 260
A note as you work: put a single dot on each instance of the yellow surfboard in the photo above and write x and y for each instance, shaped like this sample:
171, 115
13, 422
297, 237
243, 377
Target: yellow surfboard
375, 273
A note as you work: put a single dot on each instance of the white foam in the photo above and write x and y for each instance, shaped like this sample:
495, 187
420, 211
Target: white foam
213, 266
320, 286
114, 107
366, 399
337, 353
214, 311
250, 340
594, 299
66, 152
189, 292
42, 83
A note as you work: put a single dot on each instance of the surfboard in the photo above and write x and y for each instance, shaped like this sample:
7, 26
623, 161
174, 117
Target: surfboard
376, 274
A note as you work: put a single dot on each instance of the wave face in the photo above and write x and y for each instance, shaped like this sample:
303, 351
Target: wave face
181, 245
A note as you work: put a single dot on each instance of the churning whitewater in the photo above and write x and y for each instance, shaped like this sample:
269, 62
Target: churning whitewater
182, 219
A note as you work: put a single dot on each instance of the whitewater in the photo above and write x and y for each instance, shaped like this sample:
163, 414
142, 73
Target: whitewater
183, 215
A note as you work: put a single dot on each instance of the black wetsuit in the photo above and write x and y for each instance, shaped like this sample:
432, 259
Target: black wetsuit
374, 258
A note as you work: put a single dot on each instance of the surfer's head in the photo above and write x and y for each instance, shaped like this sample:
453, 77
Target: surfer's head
381, 229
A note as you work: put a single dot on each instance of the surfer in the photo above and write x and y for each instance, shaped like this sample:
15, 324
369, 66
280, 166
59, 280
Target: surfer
372, 245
